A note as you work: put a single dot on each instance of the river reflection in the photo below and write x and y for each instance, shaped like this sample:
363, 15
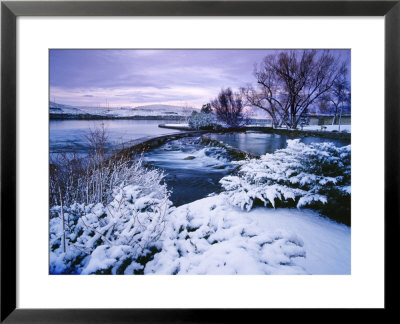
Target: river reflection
260, 143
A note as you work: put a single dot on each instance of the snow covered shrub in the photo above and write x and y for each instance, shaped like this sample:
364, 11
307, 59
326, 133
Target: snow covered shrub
203, 121
300, 175
110, 238
106, 213
89, 179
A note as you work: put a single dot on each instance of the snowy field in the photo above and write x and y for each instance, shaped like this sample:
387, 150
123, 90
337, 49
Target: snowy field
209, 236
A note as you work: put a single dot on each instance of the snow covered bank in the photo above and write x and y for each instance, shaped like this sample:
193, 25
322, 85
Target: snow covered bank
176, 125
209, 236
182, 127
328, 128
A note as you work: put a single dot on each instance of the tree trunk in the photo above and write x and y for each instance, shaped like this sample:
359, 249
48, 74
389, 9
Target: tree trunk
340, 116
335, 115
63, 220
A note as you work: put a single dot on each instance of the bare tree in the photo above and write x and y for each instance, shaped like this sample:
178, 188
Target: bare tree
339, 94
323, 104
187, 111
259, 99
291, 81
229, 108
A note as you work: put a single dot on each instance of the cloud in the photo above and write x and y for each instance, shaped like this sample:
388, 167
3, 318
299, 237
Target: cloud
130, 77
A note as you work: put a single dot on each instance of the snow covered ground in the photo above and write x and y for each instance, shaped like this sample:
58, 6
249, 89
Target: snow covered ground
177, 125
325, 128
63, 109
209, 236
328, 128
148, 110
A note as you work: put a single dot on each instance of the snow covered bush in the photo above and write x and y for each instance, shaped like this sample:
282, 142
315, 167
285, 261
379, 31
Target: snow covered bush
90, 179
114, 237
315, 175
203, 121
106, 212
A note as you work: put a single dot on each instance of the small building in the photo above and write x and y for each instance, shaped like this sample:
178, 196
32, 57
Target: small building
328, 119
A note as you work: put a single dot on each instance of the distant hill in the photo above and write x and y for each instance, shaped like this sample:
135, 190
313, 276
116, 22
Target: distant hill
55, 108
60, 111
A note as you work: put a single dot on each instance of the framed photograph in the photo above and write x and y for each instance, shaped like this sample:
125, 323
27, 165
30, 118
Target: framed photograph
164, 158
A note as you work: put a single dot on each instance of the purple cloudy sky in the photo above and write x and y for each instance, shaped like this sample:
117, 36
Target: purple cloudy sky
142, 77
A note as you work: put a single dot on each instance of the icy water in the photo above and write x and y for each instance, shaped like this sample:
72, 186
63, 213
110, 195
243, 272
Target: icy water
260, 143
69, 135
192, 170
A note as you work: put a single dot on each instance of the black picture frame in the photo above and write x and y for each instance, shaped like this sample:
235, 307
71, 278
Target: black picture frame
10, 10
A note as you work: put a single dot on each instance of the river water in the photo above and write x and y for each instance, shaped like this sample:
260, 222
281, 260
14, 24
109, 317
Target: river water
192, 169
260, 143
69, 135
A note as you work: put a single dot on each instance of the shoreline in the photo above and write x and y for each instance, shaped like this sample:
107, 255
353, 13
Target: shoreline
146, 143
143, 144
99, 117
270, 130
